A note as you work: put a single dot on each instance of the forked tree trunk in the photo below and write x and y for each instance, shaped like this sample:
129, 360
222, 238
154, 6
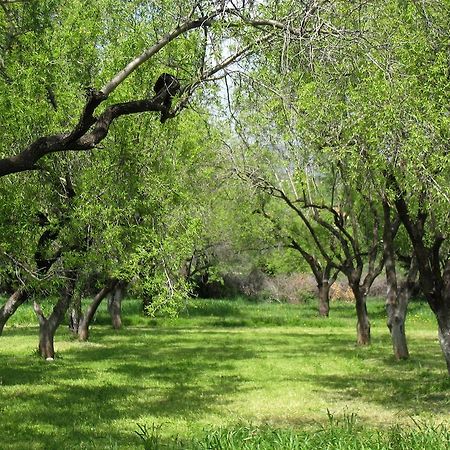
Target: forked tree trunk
11, 305
324, 298
363, 323
83, 329
115, 304
323, 276
48, 326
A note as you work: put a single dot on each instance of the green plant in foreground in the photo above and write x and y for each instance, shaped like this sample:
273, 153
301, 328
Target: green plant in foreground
340, 434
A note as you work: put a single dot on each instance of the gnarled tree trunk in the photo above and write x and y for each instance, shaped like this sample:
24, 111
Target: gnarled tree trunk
396, 315
83, 329
11, 305
48, 326
396, 307
115, 304
434, 277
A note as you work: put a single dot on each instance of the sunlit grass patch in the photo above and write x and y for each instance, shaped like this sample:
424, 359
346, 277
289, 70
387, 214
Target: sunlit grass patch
283, 367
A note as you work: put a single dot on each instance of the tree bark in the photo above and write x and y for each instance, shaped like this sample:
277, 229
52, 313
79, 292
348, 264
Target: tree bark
115, 304
397, 301
75, 314
444, 335
324, 277
434, 277
396, 325
11, 305
83, 329
324, 298
363, 323
48, 326
397, 297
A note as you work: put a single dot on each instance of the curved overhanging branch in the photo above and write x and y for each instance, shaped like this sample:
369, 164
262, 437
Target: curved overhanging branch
85, 136
90, 130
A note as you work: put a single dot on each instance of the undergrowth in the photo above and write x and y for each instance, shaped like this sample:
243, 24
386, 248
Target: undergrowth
337, 434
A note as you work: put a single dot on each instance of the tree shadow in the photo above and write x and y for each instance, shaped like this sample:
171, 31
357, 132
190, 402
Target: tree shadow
166, 373
191, 373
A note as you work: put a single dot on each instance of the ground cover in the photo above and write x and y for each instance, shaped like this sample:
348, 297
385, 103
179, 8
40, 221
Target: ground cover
219, 365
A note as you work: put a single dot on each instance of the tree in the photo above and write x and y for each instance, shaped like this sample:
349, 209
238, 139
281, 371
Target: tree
386, 119
98, 47
398, 292
90, 130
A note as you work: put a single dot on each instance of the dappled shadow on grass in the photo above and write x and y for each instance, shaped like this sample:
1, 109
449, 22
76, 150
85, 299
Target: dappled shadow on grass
161, 373
415, 386
196, 370
402, 390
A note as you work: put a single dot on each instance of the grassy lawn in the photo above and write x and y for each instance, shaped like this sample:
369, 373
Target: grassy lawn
220, 364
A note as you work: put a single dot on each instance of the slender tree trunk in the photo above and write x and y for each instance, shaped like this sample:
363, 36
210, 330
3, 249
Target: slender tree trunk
397, 298
396, 306
83, 329
396, 325
115, 304
363, 323
324, 298
75, 314
11, 305
397, 301
443, 318
48, 326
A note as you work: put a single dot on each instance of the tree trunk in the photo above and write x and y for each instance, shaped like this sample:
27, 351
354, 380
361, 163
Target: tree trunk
363, 323
324, 298
83, 329
75, 315
11, 305
46, 341
397, 298
396, 325
48, 326
115, 304
396, 308
443, 318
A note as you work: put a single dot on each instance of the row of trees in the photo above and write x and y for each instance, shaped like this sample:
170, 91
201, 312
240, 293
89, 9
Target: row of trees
320, 126
349, 137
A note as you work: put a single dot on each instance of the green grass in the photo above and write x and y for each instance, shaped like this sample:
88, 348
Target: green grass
334, 436
220, 366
